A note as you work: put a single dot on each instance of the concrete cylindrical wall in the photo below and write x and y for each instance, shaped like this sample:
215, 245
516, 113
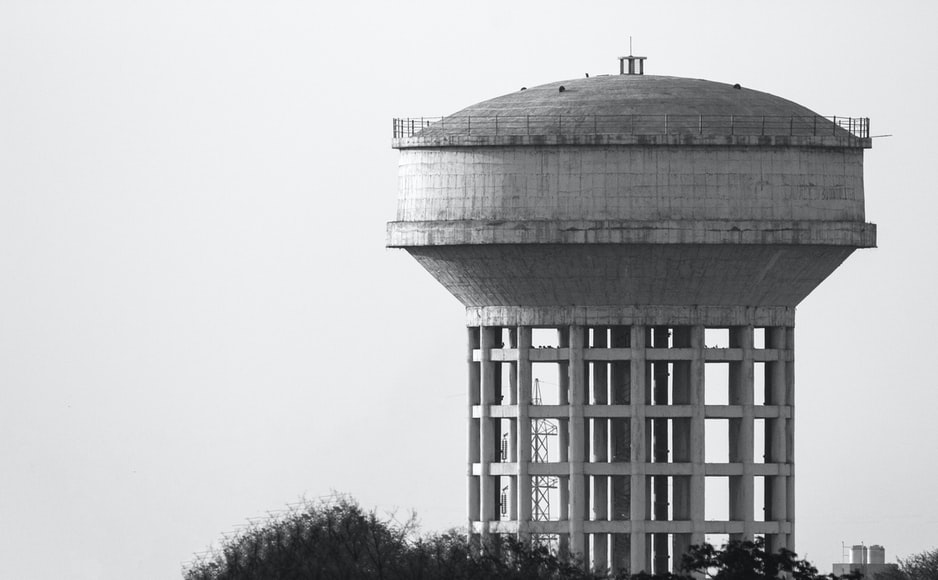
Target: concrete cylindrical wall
631, 183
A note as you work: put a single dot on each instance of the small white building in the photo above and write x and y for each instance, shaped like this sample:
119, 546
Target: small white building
871, 562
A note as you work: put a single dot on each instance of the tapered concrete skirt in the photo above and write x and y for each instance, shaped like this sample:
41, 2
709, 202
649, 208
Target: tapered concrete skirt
626, 434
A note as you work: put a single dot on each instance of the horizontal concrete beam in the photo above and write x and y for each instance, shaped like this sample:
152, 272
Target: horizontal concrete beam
405, 234
562, 468
624, 411
716, 316
548, 354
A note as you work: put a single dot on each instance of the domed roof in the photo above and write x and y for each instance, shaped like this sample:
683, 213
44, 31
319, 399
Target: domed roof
637, 95
633, 109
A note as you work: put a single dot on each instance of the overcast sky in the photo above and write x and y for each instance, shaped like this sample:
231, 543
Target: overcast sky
199, 321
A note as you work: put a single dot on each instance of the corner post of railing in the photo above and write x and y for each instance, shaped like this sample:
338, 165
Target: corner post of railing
834, 127
527, 124
732, 124
867, 128
559, 125
791, 126
411, 134
814, 132
700, 124
763, 124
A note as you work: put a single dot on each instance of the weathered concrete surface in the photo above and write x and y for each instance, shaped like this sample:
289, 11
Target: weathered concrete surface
472, 232
631, 183
617, 101
629, 274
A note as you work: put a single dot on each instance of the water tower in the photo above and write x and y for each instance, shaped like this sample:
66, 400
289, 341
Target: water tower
630, 250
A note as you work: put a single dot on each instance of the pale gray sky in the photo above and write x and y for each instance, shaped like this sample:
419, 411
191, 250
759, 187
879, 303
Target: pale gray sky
199, 321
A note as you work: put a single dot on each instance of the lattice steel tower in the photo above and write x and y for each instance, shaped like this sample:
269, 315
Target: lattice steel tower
656, 233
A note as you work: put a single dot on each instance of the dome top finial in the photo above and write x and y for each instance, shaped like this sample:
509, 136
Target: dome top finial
636, 63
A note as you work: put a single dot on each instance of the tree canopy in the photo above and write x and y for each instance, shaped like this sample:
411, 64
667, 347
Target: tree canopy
921, 566
750, 561
339, 540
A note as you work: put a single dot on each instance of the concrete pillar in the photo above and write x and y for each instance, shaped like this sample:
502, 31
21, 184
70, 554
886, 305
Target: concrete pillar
661, 451
524, 428
639, 511
578, 441
564, 374
741, 432
475, 445
564, 442
790, 431
600, 453
777, 394
681, 388
488, 486
512, 498
680, 545
620, 486
697, 436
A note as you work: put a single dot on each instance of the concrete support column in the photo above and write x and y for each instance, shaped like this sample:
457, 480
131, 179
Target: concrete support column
525, 435
563, 440
563, 341
741, 432
474, 443
578, 441
620, 486
698, 435
600, 453
681, 391
639, 510
776, 487
488, 485
661, 451
790, 431
564, 437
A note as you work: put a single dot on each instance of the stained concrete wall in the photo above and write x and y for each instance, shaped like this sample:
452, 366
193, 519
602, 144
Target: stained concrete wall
635, 183
608, 274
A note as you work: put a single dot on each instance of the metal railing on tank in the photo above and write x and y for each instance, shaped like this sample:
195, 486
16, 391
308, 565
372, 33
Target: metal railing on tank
580, 125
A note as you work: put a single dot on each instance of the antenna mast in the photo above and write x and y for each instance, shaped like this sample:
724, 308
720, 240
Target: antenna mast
541, 431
